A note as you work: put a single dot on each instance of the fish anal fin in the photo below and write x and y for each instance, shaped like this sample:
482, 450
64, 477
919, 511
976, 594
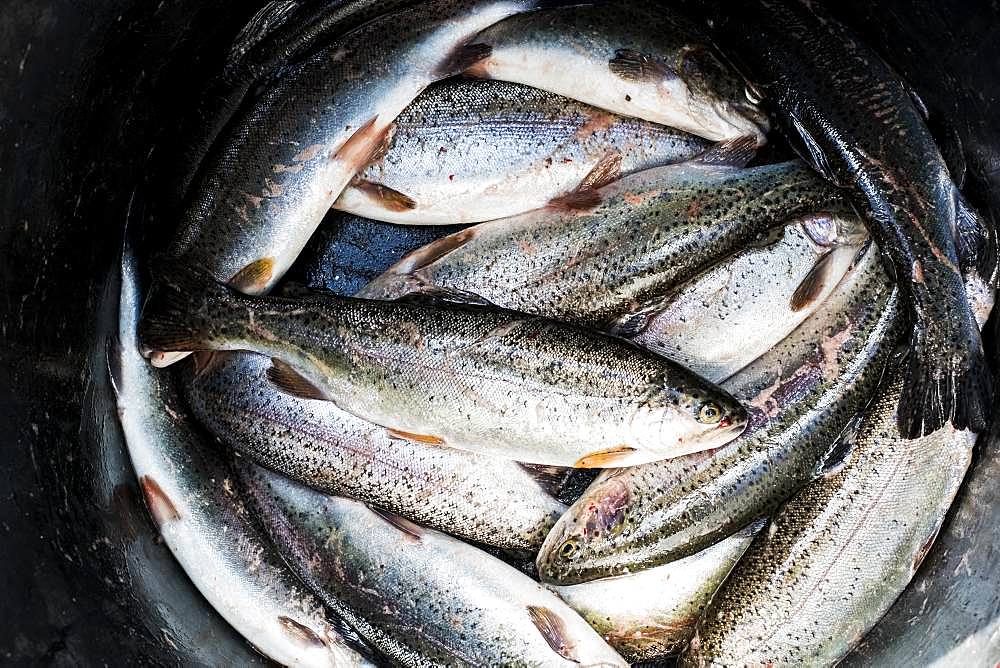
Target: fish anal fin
291, 382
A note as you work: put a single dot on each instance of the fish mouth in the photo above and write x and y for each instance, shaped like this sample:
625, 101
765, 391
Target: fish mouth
756, 118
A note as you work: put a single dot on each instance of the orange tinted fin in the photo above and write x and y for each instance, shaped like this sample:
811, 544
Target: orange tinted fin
813, 284
291, 382
160, 506
364, 145
433, 251
254, 278
552, 627
388, 199
609, 458
585, 197
416, 438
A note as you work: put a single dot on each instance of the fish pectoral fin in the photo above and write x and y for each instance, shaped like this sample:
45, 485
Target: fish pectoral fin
812, 286
610, 458
425, 439
553, 629
638, 67
462, 59
735, 152
976, 243
367, 144
586, 196
413, 532
385, 197
291, 382
253, 278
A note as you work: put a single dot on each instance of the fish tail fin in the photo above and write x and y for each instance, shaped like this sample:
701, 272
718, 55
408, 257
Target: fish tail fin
946, 381
976, 242
180, 312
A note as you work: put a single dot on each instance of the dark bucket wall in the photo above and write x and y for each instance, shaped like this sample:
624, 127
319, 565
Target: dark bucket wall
97, 123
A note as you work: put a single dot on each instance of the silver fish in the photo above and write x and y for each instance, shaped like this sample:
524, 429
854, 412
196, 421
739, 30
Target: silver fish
421, 597
613, 263
731, 314
320, 445
286, 159
802, 396
472, 377
652, 614
630, 57
470, 151
189, 492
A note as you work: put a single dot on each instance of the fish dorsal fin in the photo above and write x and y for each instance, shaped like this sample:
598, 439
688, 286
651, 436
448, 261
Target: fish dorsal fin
812, 286
436, 294
413, 532
291, 382
736, 152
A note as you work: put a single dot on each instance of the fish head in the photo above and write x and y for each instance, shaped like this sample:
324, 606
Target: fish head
718, 97
838, 227
678, 418
580, 546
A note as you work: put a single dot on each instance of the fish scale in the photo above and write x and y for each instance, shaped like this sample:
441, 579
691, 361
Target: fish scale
802, 396
320, 445
468, 151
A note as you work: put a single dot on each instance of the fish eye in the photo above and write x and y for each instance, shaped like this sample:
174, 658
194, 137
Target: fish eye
752, 94
709, 413
568, 549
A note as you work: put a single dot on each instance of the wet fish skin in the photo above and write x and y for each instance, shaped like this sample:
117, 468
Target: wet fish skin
469, 151
188, 488
613, 266
466, 376
284, 161
630, 58
801, 396
316, 443
763, 293
843, 549
839, 553
421, 597
852, 117
652, 614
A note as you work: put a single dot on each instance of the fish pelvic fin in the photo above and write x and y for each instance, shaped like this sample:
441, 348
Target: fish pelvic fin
291, 382
976, 242
180, 313
945, 381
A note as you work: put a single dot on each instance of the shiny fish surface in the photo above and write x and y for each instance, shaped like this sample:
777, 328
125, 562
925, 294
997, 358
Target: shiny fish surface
472, 377
188, 488
421, 597
470, 151
630, 57
802, 395
652, 614
320, 445
612, 266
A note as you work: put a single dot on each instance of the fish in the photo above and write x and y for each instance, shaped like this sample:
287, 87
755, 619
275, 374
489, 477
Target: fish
467, 376
851, 117
469, 151
419, 596
612, 266
729, 315
630, 58
838, 554
189, 491
651, 614
803, 397
284, 160
317, 444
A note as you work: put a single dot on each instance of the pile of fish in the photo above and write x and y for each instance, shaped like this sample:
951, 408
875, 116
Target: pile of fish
775, 364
